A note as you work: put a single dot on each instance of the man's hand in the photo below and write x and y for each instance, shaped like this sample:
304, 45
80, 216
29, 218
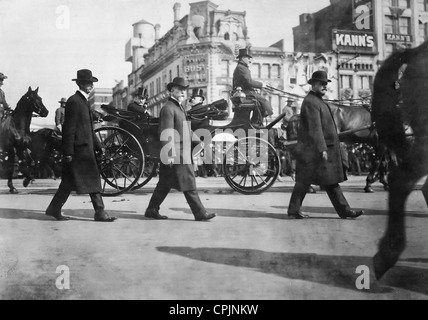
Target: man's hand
68, 159
325, 155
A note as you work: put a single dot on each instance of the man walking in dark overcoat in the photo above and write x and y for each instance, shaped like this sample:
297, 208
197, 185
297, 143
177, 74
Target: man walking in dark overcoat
319, 159
242, 78
176, 169
79, 143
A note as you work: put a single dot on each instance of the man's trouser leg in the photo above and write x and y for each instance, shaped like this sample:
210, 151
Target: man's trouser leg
97, 202
297, 197
60, 198
338, 200
158, 197
195, 203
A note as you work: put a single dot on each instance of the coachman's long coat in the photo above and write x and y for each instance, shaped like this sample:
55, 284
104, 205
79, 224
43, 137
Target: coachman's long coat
175, 125
79, 141
318, 133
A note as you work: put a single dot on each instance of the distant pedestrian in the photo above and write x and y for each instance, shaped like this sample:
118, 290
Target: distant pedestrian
4, 106
60, 114
319, 160
176, 169
79, 169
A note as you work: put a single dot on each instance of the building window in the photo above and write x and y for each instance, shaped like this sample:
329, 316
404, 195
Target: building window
170, 76
178, 71
389, 25
275, 72
397, 3
346, 82
226, 36
265, 71
365, 82
404, 24
404, 3
224, 68
423, 31
423, 5
255, 70
152, 89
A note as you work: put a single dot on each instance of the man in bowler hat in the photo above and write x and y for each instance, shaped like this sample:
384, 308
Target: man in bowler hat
80, 170
319, 159
176, 169
242, 78
139, 105
60, 114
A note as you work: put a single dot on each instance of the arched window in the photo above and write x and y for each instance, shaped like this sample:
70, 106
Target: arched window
226, 36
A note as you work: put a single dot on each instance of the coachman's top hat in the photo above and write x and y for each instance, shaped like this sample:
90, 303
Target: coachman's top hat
320, 76
244, 53
198, 93
142, 93
2, 76
85, 75
177, 82
63, 100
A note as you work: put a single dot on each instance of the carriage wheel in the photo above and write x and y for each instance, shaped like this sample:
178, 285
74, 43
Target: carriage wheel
251, 165
123, 162
149, 172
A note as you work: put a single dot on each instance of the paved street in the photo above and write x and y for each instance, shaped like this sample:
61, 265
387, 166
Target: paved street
250, 251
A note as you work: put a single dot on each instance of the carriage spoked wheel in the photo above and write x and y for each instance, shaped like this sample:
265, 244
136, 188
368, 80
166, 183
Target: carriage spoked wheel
123, 162
251, 165
150, 166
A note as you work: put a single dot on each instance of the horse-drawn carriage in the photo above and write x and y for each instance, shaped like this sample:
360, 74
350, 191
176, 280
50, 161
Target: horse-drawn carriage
250, 163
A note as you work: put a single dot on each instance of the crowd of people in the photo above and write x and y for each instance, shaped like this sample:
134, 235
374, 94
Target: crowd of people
318, 160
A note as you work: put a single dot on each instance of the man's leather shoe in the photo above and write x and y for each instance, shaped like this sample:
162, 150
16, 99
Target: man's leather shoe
103, 217
205, 217
154, 214
298, 215
352, 214
57, 215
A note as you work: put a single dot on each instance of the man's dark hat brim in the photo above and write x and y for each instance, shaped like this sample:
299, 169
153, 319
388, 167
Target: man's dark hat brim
85, 75
311, 81
177, 82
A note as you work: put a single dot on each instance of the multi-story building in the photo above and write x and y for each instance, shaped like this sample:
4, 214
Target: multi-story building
121, 98
346, 29
100, 96
201, 47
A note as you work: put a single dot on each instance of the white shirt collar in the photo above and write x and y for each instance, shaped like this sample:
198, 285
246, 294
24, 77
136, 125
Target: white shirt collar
84, 94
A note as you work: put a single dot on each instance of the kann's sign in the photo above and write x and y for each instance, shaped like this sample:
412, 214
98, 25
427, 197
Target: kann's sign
354, 41
392, 37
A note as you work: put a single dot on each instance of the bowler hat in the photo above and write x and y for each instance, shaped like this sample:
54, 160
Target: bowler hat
244, 53
177, 82
63, 100
320, 76
2, 76
198, 93
85, 75
142, 93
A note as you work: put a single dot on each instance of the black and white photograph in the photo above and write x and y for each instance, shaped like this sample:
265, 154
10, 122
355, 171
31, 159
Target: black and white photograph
213, 155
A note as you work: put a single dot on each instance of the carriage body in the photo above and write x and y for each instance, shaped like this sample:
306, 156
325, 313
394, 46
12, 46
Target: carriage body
133, 148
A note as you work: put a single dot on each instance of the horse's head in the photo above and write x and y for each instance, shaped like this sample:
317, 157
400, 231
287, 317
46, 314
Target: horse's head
35, 102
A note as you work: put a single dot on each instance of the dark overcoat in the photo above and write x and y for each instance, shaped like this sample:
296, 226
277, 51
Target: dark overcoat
176, 139
79, 141
317, 133
242, 78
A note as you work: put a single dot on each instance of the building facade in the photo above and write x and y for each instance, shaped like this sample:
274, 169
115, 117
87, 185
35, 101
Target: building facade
100, 96
202, 47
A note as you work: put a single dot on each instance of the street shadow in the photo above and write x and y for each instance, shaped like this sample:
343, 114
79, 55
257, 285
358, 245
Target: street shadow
74, 215
367, 212
237, 213
338, 271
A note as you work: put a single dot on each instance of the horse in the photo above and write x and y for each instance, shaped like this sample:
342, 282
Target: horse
397, 102
45, 152
15, 134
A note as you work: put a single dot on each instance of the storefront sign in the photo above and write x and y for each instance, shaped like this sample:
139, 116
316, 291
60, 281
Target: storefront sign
398, 37
195, 69
363, 14
354, 41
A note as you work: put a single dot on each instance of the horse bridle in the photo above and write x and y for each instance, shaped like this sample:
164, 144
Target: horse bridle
34, 106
